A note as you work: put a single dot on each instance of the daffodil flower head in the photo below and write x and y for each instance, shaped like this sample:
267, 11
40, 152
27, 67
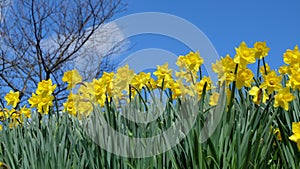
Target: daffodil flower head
193, 61
285, 69
12, 98
72, 77
294, 81
264, 69
296, 134
244, 55
292, 57
45, 88
200, 85
261, 50
213, 100
259, 95
282, 98
244, 78
122, 80
225, 69
164, 75
272, 82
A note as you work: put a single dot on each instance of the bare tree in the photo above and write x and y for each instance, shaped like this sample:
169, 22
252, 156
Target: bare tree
40, 39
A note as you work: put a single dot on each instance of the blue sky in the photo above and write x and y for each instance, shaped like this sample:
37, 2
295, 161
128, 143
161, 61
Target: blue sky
226, 24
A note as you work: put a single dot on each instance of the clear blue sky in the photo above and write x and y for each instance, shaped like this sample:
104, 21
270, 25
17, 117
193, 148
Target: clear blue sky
227, 23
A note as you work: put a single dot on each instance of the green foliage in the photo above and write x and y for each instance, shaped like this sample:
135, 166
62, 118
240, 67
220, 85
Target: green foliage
243, 139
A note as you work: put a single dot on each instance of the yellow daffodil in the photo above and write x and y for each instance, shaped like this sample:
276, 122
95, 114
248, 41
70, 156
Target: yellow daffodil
13, 114
213, 100
84, 108
44, 104
108, 78
294, 81
99, 87
176, 90
296, 134
261, 50
122, 80
244, 78
264, 69
190, 62
72, 77
45, 88
25, 111
43, 98
34, 100
283, 97
272, 82
4, 114
200, 85
12, 98
0, 130
193, 61
189, 77
244, 55
185, 89
181, 62
225, 69
69, 105
292, 57
259, 95
164, 75
140, 80
284, 69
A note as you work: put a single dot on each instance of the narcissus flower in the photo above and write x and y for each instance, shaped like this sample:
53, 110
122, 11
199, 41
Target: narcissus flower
12, 98
244, 55
282, 98
292, 57
272, 82
72, 77
213, 100
108, 78
45, 103
43, 98
176, 90
164, 75
244, 78
34, 100
225, 69
139, 81
69, 105
122, 79
284, 69
4, 114
264, 69
193, 61
259, 95
190, 62
25, 111
294, 81
261, 50
296, 134
200, 85
189, 77
45, 88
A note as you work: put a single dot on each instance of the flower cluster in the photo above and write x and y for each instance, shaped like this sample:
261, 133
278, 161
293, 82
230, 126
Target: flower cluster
268, 85
42, 99
15, 115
